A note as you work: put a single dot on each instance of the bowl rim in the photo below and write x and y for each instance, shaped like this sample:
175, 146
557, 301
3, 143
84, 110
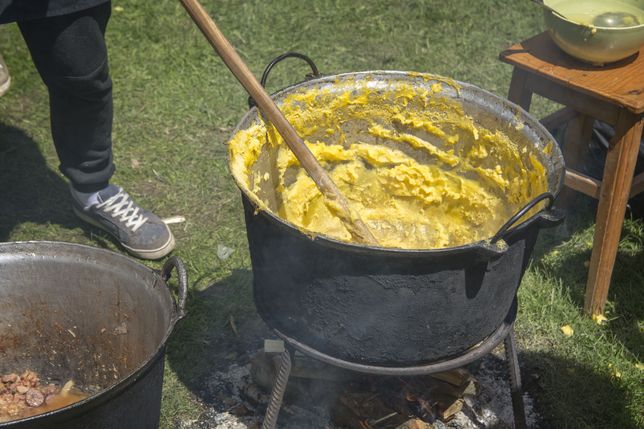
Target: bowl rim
579, 24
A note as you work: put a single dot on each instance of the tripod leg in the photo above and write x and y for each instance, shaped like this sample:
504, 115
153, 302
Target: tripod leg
518, 406
277, 395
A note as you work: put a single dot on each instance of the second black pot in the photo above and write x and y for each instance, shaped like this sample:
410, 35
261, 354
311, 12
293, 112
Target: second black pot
72, 312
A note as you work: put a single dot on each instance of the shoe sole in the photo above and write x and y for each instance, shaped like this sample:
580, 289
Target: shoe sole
5, 87
140, 253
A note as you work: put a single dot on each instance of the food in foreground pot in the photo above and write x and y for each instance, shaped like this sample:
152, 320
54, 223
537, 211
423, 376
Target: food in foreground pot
24, 396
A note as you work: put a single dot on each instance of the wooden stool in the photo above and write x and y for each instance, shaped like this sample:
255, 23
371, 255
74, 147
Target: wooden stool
613, 94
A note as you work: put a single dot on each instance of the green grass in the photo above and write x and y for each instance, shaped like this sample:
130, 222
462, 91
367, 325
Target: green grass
175, 106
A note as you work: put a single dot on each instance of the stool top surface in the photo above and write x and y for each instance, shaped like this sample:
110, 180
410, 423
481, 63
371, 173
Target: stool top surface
620, 83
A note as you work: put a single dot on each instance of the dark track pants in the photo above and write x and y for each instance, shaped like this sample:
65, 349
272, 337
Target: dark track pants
70, 54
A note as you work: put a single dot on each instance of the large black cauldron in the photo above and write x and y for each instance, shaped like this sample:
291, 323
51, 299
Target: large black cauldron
390, 307
383, 307
76, 312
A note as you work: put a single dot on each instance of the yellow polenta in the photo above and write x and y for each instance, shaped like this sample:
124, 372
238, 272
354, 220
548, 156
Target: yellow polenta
420, 172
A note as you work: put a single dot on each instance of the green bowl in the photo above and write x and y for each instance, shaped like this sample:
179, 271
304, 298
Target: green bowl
576, 35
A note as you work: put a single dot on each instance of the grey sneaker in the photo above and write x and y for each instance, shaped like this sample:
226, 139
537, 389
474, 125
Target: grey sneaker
5, 79
142, 233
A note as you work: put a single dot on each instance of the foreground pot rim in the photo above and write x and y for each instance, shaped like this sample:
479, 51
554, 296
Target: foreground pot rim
99, 398
484, 246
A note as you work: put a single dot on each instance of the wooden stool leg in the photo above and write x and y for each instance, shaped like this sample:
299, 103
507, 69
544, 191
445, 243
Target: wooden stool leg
616, 185
519, 93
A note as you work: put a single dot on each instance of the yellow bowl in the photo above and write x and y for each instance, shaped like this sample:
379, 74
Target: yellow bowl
576, 35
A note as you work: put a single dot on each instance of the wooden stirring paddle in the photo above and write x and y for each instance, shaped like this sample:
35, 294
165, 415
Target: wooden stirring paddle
335, 201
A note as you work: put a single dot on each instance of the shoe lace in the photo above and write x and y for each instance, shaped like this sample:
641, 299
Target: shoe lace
122, 207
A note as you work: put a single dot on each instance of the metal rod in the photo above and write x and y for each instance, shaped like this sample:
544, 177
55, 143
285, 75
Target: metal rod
277, 395
454, 362
512, 359
504, 333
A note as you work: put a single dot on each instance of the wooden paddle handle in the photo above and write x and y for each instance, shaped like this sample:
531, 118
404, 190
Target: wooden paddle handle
337, 203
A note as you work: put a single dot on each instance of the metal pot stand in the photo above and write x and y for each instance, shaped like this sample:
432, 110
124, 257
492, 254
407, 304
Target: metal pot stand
504, 333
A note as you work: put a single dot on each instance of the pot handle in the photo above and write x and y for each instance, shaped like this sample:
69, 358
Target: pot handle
166, 271
518, 215
314, 70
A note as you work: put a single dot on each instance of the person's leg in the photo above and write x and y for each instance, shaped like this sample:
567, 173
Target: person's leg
71, 56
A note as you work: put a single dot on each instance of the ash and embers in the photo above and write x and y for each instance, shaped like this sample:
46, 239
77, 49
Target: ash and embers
238, 395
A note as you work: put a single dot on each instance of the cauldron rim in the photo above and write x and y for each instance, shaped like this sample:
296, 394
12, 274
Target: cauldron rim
93, 401
484, 246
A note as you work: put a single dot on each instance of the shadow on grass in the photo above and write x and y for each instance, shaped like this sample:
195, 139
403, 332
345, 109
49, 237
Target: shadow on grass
30, 191
222, 329
33, 193
625, 295
568, 394
624, 309
570, 261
